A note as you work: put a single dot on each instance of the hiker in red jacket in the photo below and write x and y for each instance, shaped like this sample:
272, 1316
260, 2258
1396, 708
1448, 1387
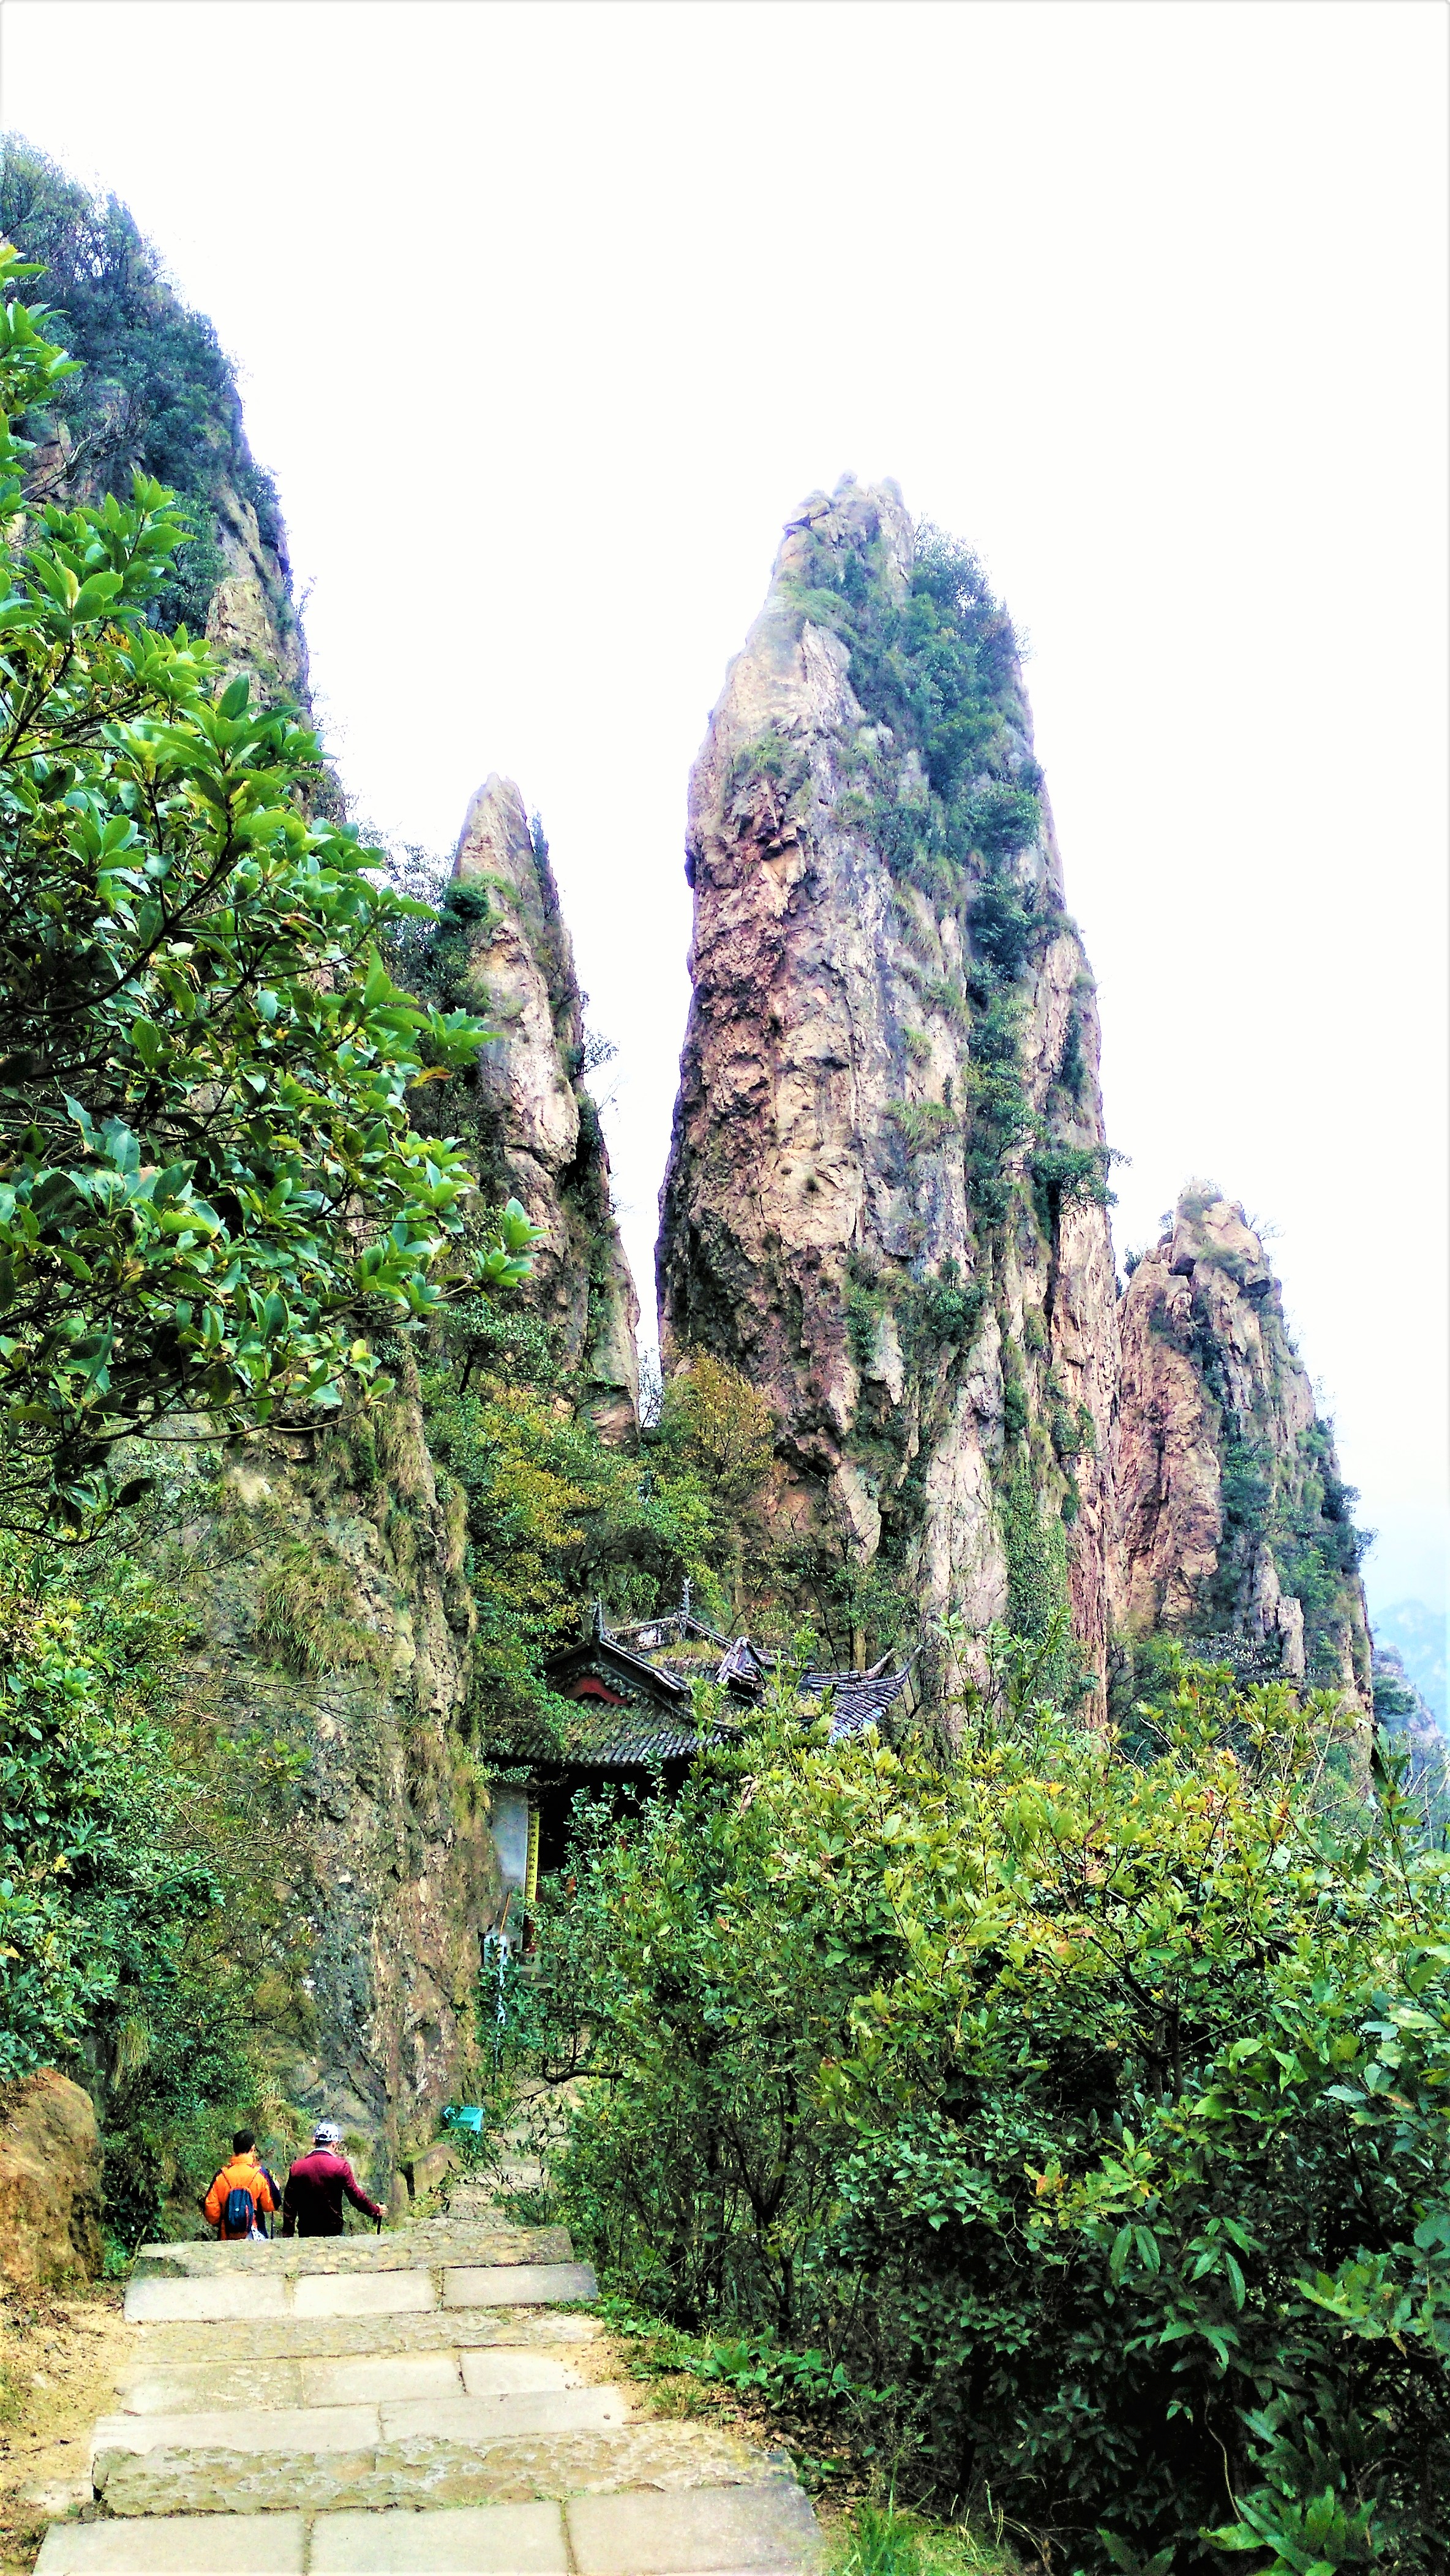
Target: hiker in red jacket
312, 2201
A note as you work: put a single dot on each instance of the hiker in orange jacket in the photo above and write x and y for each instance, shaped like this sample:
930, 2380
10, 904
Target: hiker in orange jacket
242, 2181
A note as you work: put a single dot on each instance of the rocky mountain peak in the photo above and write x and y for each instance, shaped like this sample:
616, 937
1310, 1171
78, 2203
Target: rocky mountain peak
538, 1128
1233, 1518
886, 1192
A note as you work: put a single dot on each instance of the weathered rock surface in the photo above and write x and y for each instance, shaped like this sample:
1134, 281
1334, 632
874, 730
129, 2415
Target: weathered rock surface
1233, 1519
253, 620
817, 1224
50, 2184
332, 1614
537, 1123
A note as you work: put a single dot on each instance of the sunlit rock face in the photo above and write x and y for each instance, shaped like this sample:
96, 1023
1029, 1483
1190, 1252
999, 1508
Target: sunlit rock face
884, 1192
1233, 1520
538, 1128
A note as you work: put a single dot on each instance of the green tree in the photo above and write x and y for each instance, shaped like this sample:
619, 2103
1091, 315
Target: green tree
557, 1517
209, 1175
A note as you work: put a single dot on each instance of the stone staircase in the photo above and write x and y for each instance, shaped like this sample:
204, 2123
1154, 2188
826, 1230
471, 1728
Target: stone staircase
427, 2400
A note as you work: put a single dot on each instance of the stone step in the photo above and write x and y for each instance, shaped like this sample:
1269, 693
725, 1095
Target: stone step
467, 2238
427, 2470
249, 2292
288, 2338
494, 2417
731, 2531
205, 2387
522, 2285
214, 2544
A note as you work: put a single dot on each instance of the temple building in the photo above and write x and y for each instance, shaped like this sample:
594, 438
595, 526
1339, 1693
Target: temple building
636, 1726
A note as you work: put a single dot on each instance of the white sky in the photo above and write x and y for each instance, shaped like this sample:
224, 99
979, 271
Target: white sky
548, 315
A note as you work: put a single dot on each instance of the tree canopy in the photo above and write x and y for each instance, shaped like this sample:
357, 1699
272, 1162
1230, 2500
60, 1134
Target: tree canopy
210, 1178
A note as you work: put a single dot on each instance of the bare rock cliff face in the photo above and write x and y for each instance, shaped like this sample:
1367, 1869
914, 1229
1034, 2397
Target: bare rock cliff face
1233, 1519
884, 1199
253, 620
333, 1618
537, 1126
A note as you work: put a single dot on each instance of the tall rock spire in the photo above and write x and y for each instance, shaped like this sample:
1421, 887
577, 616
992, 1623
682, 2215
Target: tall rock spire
1234, 1522
538, 1128
885, 1199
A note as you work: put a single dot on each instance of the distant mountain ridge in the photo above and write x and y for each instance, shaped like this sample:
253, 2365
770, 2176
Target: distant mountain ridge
1417, 1635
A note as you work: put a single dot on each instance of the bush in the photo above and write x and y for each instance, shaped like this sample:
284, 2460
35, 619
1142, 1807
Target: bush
139, 1924
1088, 2109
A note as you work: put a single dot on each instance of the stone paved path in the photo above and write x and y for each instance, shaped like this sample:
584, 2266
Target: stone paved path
415, 2404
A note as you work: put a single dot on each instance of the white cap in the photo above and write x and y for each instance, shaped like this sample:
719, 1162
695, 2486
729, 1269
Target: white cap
327, 2134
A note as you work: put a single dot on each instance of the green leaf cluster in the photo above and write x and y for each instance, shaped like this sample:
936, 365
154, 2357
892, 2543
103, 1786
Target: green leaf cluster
1090, 2110
558, 1517
155, 391
210, 1179
141, 1940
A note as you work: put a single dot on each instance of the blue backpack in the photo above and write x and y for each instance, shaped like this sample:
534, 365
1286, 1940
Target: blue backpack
239, 2212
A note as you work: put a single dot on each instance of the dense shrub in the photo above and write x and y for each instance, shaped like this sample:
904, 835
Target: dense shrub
141, 1939
1090, 2110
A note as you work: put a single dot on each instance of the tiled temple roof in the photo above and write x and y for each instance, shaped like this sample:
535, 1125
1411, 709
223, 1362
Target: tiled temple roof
632, 1696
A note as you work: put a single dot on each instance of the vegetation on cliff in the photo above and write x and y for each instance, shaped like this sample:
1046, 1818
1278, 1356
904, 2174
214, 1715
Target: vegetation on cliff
947, 789
1236, 1524
558, 1517
212, 1196
157, 393
1070, 2123
140, 1935
209, 1174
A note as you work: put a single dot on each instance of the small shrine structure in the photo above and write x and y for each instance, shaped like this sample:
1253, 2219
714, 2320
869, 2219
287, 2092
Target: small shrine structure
636, 1725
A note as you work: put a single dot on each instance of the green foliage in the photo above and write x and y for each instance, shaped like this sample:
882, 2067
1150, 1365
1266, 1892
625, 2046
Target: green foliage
717, 1424
941, 1312
557, 1518
1069, 1175
1072, 1063
141, 1941
209, 1176
887, 2541
1016, 1413
157, 396
463, 906
1301, 1507
867, 1303
923, 1125
89, 1890
307, 1612
772, 762
1035, 1547
1088, 2110
937, 664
